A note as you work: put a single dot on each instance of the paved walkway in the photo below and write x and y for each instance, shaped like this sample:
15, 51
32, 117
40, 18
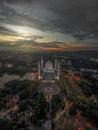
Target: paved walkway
55, 89
48, 125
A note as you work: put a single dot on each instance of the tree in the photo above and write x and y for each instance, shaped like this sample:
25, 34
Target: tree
7, 125
57, 103
22, 106
23, 95
72, 110
39, 113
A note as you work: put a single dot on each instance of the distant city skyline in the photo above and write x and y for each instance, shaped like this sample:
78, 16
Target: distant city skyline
48, 25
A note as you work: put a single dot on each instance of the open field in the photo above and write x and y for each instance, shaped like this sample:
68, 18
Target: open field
7, 78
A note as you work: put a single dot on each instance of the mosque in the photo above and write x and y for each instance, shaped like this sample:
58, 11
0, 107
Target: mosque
48, 70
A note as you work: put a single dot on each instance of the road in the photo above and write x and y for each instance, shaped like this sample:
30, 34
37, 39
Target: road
48, 125
77, 91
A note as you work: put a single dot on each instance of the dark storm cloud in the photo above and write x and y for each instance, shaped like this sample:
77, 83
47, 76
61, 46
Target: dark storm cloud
53, 44
76, 17
32, 43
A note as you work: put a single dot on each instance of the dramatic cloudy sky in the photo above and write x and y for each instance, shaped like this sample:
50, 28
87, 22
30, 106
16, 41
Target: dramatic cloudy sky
48, 24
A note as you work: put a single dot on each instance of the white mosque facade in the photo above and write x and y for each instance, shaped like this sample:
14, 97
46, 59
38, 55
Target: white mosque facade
48, 71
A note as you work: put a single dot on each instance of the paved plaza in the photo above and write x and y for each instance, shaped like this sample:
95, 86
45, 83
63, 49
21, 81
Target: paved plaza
49, 89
